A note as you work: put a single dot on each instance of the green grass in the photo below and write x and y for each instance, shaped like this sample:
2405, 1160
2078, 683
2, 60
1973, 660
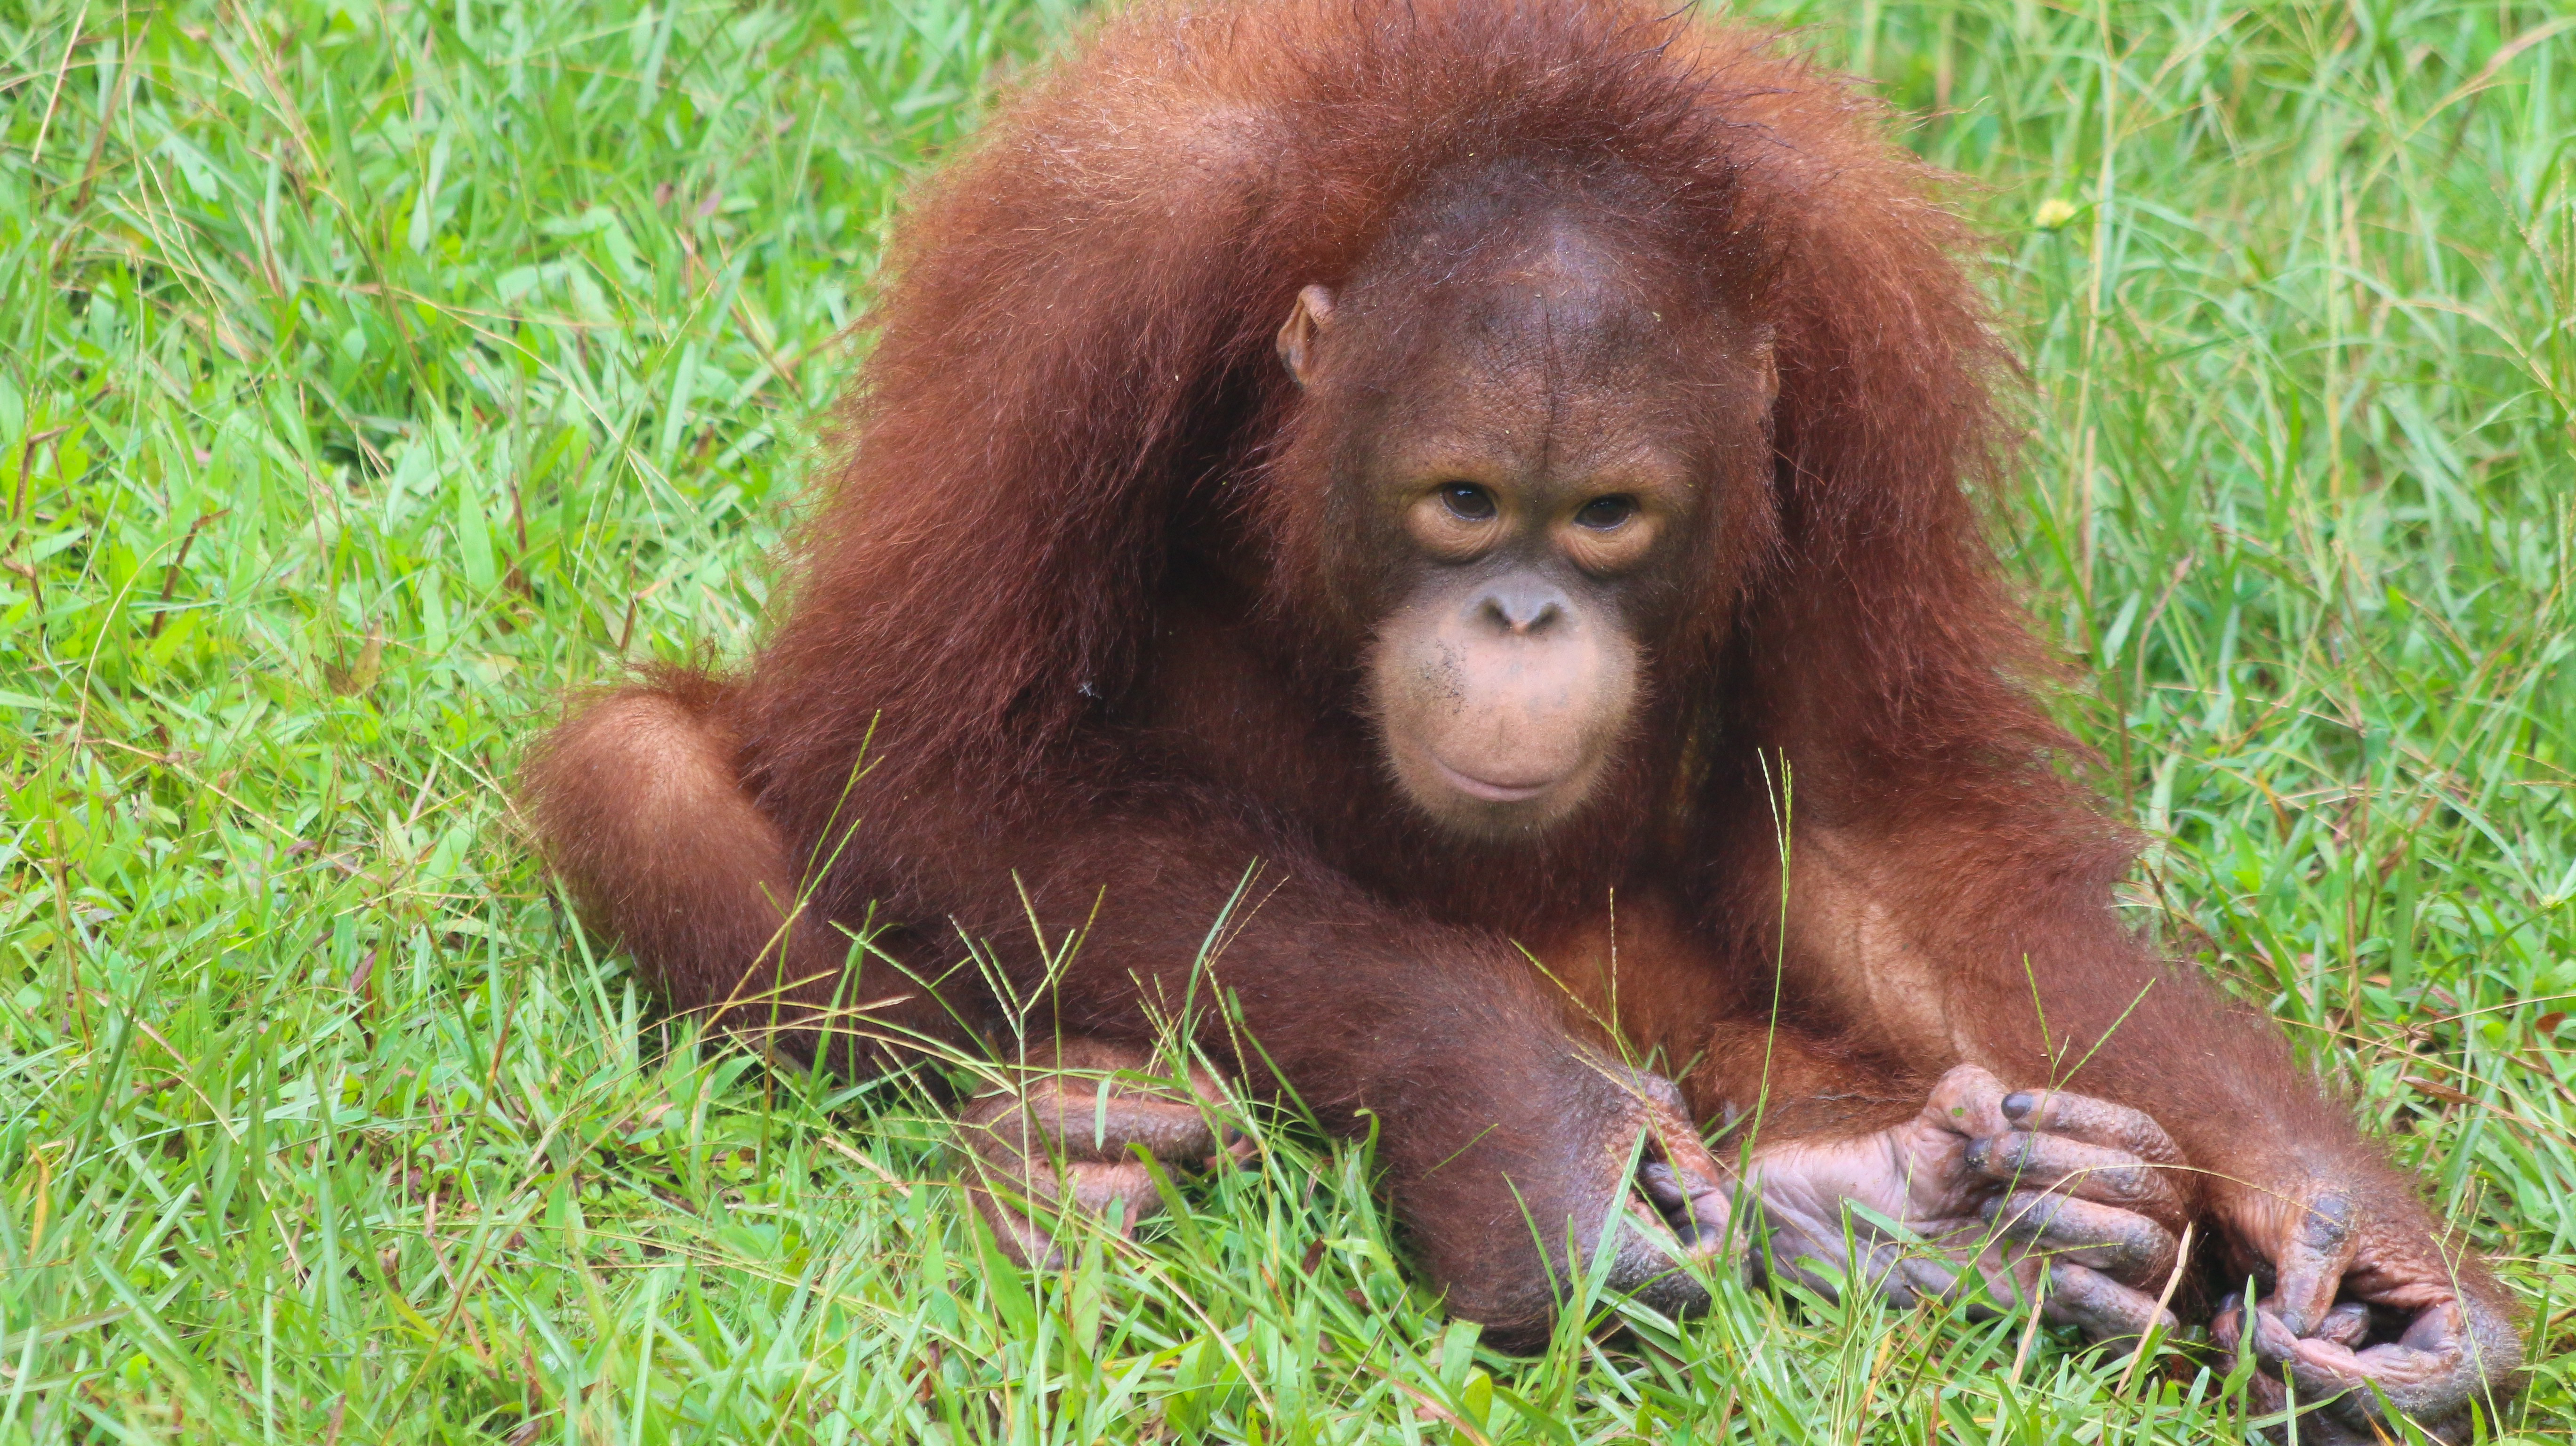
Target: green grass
369, 375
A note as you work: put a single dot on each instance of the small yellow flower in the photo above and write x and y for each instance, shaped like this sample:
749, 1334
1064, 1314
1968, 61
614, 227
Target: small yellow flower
2052, 213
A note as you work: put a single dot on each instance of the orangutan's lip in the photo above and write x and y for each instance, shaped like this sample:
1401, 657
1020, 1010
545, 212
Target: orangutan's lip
1489, 791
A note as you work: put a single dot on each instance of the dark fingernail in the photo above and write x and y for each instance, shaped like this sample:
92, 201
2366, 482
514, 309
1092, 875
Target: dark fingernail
1976, 1153
1661, 1186
2327, 1222
2277, 1332
2019, 1103
2273, 1308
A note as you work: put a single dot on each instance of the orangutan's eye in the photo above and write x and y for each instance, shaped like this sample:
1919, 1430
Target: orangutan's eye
1603, 513
1467, 502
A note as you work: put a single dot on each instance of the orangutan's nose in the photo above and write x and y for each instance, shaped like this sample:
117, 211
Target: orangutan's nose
1523, 606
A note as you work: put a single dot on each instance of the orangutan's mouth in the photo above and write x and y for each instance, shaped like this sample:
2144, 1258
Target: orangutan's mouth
1489, 790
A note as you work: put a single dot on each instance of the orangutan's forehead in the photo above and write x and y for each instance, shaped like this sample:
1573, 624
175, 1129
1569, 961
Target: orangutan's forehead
1551, 330
1555, 312
1570, 287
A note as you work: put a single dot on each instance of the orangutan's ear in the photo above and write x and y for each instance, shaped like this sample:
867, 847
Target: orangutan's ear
1306, 321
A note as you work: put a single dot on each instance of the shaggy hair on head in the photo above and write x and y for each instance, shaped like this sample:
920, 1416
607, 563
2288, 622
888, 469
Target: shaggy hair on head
1097, 285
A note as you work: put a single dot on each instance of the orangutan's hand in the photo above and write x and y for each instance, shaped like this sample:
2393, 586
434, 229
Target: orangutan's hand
2362, 1310
1062, 1140
1998, 1195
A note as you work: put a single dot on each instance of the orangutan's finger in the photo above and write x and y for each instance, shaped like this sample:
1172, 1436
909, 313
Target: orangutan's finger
2027, 1161
2309, 1270
2102, 1307
1968, 1101
2095, 1122
2122, 1244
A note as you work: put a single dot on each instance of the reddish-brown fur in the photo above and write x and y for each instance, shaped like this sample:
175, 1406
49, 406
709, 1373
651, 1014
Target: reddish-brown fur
1068, 590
